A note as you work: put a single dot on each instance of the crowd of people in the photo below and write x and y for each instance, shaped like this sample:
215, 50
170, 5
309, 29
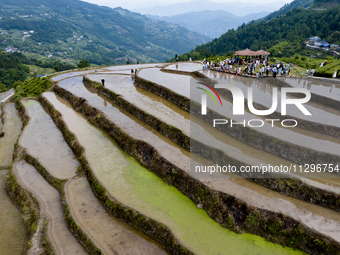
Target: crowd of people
254, 67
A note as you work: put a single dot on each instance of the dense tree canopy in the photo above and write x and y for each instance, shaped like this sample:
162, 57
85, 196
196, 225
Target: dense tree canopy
290, 30
84, 63
12, 69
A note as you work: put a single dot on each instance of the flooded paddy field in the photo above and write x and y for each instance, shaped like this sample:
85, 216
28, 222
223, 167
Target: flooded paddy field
133, 66
175, 116
138, 188
44, 141
70, 74
181, 85
125, 72
263, 93
320, 87
132, 125
112, 235
12, 229
12, 130
147, 101
187, 67
262, 197
62, 239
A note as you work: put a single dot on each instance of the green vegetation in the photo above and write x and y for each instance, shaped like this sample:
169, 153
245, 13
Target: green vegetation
325, 3
16, 67
11, 69
32, 87
83, 63
288, 7
282, 37
75, 30
2, 87
328, 70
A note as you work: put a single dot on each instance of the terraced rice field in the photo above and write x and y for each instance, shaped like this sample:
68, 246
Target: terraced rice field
112, 170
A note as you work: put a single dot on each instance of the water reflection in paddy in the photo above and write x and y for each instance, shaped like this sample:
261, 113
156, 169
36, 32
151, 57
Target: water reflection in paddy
112, 235
135, 186
262, 93
62, 239
129, 123
201, 130
44, 141
145, 100
12, 228
181, 85
188, 67
321, 87
12, 130
133, 66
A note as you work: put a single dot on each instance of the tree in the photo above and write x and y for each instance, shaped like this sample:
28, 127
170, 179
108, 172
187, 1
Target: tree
2, 87
137, 62
84, 63
128, 62
56, 68
17, 83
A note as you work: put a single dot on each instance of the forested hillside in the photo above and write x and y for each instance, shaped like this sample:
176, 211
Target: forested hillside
288, 7
15, 67
12, 69
282, 36
75, 30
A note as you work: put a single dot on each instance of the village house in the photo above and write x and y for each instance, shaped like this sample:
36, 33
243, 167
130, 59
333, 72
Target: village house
316, 43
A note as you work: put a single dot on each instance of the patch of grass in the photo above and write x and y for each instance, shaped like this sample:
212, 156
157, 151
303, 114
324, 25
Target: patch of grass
32, 87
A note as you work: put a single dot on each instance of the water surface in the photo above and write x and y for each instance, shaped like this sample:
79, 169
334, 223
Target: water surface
181, 85
63, 240
113, 236
12, 129
12, 228
135, 186
45, 142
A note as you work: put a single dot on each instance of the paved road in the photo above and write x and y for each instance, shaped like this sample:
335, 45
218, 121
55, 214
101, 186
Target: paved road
4, 95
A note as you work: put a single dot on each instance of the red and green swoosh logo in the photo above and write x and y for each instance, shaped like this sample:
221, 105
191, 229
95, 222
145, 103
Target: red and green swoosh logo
209, 93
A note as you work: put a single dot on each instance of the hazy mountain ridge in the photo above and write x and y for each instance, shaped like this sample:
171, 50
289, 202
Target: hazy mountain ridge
75, 29
283, 36
236, 8
209, 23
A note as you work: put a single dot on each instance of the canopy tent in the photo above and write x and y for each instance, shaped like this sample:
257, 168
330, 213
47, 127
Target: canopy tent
245, 52
248, 52
262, 53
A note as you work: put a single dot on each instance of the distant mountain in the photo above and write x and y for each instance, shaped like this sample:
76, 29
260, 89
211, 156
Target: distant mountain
282, 36
75, 30
236, 8
209, 23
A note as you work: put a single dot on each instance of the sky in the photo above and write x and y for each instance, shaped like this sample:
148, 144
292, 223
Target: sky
136, 4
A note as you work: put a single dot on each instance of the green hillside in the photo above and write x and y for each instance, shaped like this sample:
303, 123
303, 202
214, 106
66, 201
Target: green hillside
282, 36
325, 3
74, 30
17, 67
288, 7
11, 69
